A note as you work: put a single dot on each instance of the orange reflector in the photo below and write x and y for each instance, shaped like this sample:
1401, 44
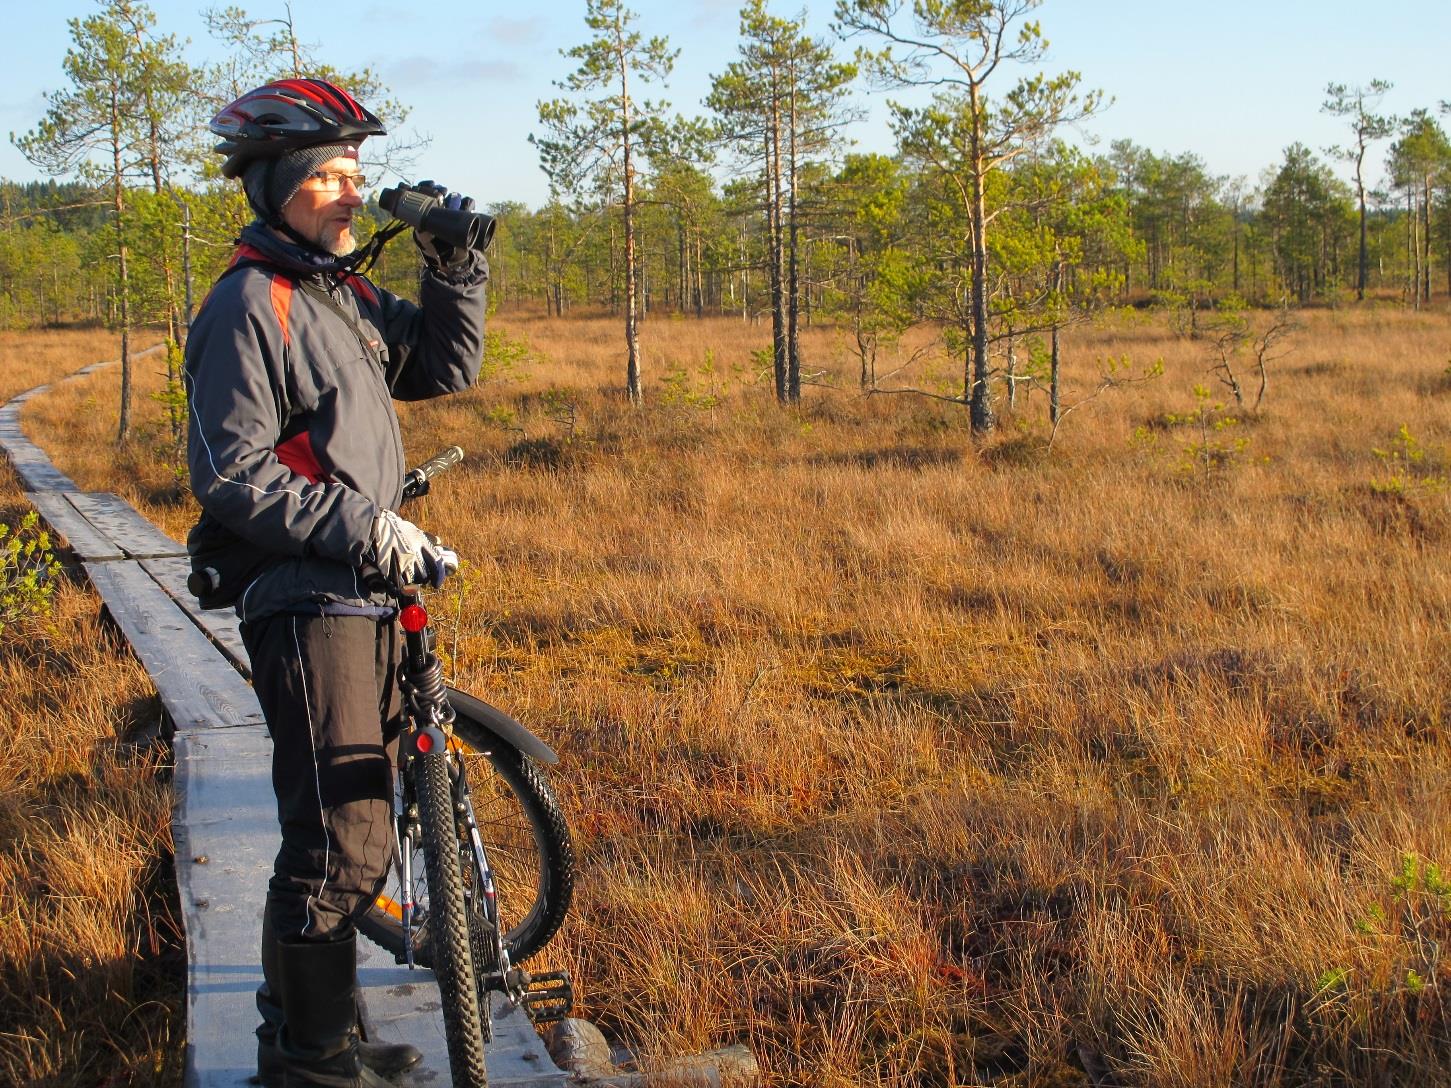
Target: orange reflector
388, 906
413, 618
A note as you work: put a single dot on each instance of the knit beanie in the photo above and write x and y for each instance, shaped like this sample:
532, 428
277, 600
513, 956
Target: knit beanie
287, 173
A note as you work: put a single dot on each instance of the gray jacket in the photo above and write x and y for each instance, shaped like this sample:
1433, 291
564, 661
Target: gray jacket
293, 443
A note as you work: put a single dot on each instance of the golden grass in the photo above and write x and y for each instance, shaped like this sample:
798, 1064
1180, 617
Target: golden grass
912, 762
91, 962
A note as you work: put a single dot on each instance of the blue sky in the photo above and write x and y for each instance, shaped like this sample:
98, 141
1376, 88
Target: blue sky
1232, 81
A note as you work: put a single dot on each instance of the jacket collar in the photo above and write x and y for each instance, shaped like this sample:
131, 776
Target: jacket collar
299, 260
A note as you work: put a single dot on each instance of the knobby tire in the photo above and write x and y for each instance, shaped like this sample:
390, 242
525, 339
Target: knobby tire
526, 839
452, 944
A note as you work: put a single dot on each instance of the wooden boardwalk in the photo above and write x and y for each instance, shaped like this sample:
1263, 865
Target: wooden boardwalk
224, 822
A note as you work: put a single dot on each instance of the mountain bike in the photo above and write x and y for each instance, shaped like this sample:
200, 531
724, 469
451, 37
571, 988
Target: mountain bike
497, 865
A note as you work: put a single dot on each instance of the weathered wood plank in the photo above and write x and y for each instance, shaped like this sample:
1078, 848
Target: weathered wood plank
30, 461
225, 830
66, 522
197, 686
220, 623
21, 398
116, 518
224, 825
38, 474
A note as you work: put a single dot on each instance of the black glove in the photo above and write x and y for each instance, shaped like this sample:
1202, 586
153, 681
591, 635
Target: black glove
436, 251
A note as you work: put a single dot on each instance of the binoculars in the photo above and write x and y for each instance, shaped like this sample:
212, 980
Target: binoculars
466, 230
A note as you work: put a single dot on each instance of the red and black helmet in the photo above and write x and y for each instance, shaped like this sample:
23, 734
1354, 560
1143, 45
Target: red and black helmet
289, 114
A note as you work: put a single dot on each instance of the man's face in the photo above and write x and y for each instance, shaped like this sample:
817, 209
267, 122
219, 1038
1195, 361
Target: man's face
326, 218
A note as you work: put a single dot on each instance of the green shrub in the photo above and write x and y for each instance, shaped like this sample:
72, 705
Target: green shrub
28, 571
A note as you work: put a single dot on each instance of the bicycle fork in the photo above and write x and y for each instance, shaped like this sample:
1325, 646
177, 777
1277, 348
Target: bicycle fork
429, 716
546, 996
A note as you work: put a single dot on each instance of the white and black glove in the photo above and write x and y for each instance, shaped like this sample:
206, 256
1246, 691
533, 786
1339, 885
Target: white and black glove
407, 555
435, 250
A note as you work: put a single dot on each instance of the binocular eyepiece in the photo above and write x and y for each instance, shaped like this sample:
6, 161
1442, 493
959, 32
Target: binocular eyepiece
466, 230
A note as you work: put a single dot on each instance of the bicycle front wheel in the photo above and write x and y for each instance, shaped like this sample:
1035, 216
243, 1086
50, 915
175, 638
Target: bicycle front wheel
525, 838
451, 941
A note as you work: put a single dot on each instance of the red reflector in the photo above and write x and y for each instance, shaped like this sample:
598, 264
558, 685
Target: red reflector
413, 618
424, 743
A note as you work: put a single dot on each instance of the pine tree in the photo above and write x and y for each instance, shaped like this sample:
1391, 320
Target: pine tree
779, 104
599, 136
101, 129
963, 136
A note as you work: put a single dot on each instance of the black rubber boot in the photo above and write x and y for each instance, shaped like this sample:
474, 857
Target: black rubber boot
388, 1059
385, 1059
318, 1041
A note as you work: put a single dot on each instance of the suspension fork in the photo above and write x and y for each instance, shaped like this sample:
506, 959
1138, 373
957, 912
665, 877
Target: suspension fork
425, 704
421, 679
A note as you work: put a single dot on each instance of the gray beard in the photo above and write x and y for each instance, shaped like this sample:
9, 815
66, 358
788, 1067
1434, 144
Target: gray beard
339, 248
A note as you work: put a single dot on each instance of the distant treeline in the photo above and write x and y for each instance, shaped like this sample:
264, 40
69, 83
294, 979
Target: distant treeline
1162, 229
983, 223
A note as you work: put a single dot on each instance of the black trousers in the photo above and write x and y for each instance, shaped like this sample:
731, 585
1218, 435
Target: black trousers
326, 688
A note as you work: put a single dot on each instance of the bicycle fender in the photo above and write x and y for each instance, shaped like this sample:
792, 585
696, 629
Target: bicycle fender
501, 725
428, 738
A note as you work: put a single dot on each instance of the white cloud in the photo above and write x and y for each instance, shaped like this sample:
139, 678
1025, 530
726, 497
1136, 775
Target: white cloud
517, 31
419, 71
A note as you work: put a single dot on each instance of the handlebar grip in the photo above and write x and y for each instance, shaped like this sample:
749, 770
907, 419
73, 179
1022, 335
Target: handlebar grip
439, 462
415, 484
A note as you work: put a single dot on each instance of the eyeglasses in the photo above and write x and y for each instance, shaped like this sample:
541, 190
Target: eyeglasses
331, 181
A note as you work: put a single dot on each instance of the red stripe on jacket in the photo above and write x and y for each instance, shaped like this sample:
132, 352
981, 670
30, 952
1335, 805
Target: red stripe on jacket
298, 455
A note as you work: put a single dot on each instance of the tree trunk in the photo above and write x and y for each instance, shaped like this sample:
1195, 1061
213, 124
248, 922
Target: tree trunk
979, 392
1426, 240
773, 210
699, 277
745, 281
1236, 251
123, 426
1054, 370
632, 335
1413, 250
1363, 259
793, 280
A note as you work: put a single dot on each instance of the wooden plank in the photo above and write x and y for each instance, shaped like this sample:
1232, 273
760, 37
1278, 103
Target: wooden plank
21, 398
31, 463
35, 470
66, 521
197, 686
224, 825
137, 537
226, 814
221, 624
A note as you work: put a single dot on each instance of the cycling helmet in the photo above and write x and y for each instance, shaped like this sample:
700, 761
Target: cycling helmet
285, 116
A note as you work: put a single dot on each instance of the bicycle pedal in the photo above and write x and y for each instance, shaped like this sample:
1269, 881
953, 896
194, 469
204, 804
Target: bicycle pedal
548, 996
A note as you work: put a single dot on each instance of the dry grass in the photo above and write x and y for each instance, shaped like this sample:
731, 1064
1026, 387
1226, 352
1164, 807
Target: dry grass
90, 960
915, 763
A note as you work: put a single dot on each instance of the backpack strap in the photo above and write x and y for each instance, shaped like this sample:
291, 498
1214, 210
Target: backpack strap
370, 347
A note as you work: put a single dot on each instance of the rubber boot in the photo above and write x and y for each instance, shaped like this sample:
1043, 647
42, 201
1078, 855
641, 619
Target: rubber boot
318, 1041
385, 1059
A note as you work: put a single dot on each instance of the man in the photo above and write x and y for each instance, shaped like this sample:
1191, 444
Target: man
296, 461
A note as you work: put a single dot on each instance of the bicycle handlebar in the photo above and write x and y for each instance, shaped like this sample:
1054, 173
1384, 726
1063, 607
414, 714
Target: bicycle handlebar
415, 484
